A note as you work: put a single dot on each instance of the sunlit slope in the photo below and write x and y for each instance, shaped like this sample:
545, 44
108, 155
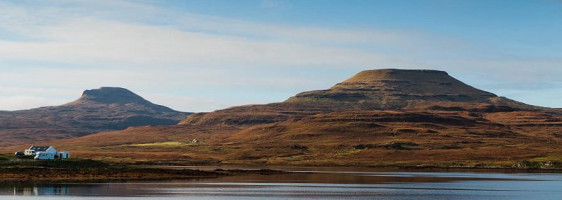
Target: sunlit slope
378, 117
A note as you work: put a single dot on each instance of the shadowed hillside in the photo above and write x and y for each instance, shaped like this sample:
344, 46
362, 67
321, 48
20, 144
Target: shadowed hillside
103, 109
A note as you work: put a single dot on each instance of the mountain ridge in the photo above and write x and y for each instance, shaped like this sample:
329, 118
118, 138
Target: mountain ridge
350, 125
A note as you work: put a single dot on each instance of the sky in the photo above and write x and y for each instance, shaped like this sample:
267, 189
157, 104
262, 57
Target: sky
204, 55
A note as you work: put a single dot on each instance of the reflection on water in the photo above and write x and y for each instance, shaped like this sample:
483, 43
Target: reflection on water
308, 184
41, 190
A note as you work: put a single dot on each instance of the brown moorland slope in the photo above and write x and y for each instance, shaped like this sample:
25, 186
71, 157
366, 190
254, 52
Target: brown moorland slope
376, 118
103, 109
385, 89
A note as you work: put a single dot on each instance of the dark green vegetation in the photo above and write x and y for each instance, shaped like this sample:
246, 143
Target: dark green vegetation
86, 170
96, 110
10, 161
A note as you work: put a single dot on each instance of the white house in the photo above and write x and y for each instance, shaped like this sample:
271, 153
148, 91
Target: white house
33, 150
45, 153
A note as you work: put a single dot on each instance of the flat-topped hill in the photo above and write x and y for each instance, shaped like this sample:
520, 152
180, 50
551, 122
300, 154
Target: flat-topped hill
410, 81
111, 95
395, 89
397, 74
384, 89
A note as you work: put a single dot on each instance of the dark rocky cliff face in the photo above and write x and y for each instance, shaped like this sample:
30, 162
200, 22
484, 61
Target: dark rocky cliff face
103, 109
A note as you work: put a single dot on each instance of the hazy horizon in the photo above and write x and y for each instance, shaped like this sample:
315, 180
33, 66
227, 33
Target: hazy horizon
205, 55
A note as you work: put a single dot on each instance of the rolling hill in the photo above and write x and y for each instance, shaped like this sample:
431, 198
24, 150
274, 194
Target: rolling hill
384, 117
103, 109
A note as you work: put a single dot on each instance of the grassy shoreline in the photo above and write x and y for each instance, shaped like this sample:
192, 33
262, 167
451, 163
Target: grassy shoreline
377, 168
86, 170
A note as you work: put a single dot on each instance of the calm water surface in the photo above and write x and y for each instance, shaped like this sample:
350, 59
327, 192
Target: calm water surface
309, 184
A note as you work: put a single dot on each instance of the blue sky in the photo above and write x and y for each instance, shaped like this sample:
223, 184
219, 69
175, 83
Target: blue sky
205, 55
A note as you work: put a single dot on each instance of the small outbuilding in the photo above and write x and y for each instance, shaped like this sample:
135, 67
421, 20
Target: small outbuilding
44, 156
62, 154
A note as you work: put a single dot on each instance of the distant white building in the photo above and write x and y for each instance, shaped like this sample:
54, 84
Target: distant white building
46, 153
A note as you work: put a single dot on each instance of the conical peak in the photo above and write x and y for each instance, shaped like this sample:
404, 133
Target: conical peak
398, 74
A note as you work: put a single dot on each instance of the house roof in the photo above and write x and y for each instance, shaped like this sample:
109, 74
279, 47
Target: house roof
39, 148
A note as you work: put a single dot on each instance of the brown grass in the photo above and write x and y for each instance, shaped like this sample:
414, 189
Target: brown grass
365, 138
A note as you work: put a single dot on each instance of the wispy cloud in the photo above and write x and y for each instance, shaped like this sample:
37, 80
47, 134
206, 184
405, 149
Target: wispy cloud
95, 44
196, 62
92, 41
80, 38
